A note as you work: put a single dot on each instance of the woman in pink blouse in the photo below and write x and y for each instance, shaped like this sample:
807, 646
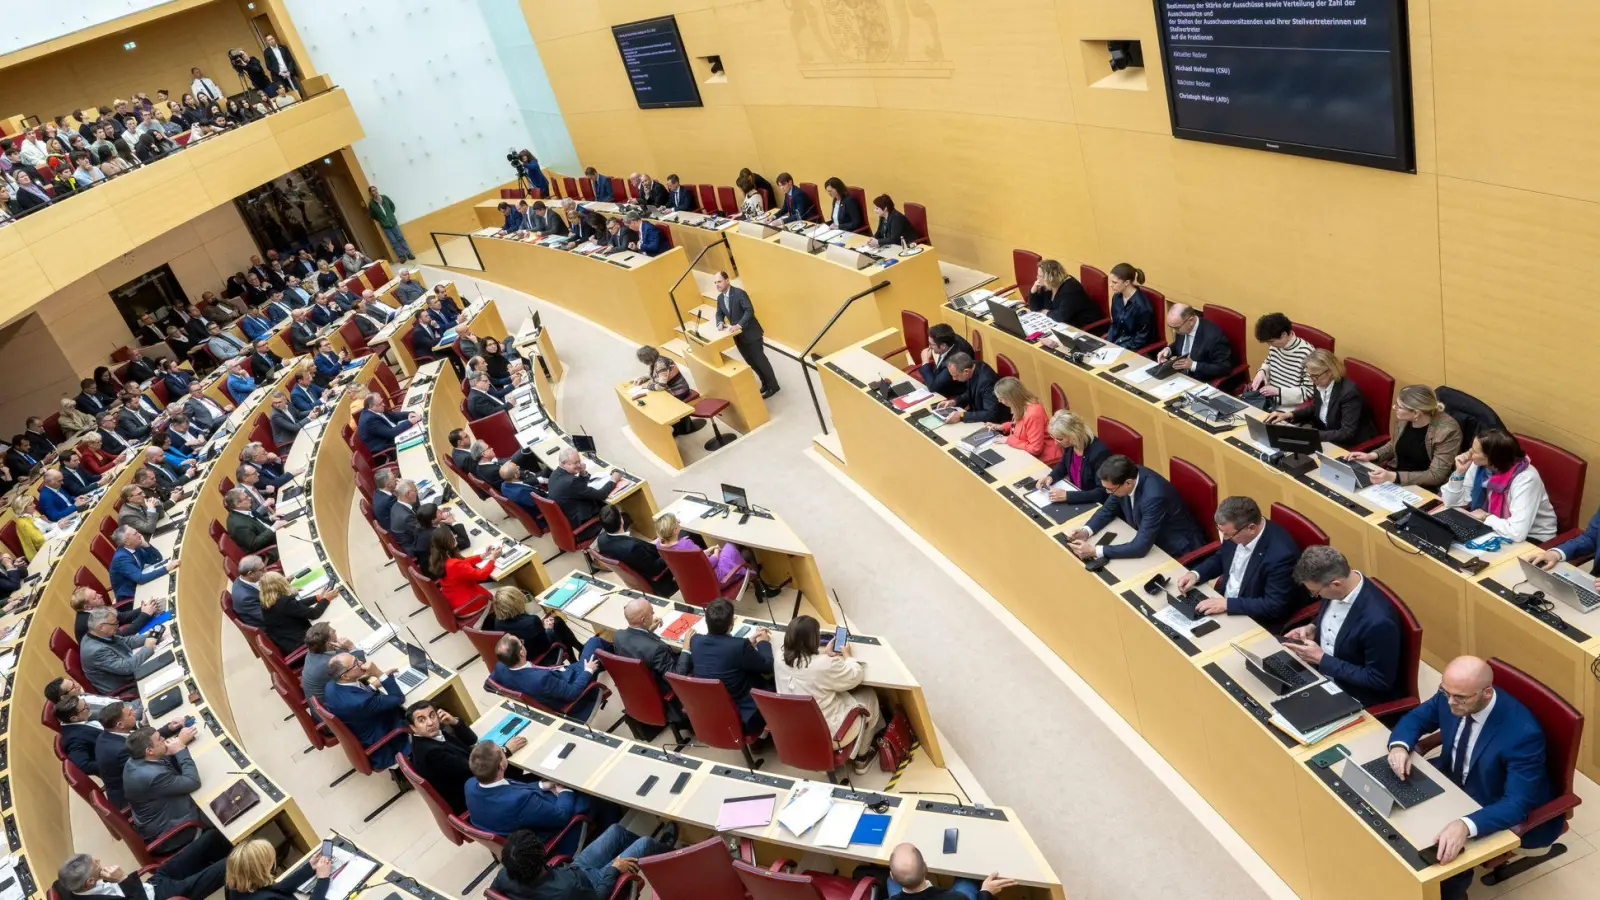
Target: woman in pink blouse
1026, 430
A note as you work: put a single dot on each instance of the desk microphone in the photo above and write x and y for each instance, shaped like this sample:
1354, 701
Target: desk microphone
839, 603
692, 493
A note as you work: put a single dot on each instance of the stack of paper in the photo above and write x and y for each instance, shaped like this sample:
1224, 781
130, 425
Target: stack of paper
582, 605
162, 680
381, 635
1315, 735
745, 812
1040, 497
1170, 617
311, 582
839, 825
805, 808
678, 629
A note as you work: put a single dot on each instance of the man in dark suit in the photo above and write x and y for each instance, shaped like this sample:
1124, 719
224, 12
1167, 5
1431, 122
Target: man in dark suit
1356, 639
150, 333
323, 311
440, 746
134, 424
643, 557
651, 192
739, 663
89, 400
139, 369
285, 421
281, 66
559, 688
796, 205
195, 325
305, 396
382, 497
1492, 747
74, 479
516, 488
78, 733
482, 404
1584, 544
368, 702
643, 236
424, 337
117, 720
403, 524
734, 310
302, 332
328, 362
976, 401
343, 301
500, 805
204, 412
543, 219
297, 293
640, 641
460, 442
513, 221
377, 429
580, 503
369, 317
263, 362
177, 380
277, 309
680, 197
110, 441
1198, 347
1148, 502
253, 533
1254, 568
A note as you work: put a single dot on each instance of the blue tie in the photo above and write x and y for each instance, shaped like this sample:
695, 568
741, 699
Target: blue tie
1459, 765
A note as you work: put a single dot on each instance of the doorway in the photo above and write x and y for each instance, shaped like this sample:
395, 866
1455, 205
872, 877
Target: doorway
156, 292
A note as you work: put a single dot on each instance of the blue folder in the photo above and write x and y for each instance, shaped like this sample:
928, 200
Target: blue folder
870, 829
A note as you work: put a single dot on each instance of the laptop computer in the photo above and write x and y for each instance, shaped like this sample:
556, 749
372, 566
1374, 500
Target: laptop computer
1450, 526
1256, 429
1577, 596
1342, 474
1006, 319
417, 669
1280, 671
1293, 438
1383, 790
977, 439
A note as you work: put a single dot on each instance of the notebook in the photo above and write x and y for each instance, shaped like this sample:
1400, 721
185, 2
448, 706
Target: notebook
746, 812
680, 627
870, 829
565, 593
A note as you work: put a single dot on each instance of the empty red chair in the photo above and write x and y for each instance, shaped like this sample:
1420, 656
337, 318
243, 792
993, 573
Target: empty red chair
391, 385
498, 432
976, 340
354, 339
353, 284
1233, 326
810, 190
1058, 399
1411, 631
375, 275
917, 215
586, 186
1096, 285
776, 884
85, 578
800, 733
338, 266
521, 513
861, 204
437, 807
1025, 266
102, 550
52, 427
1004, 367
726, 202
1304, 531
1199, 494
697, 580
1119, 438
1316, 337
707, 195
621, 188
250, 632
60, 644
569, 187
713, 715
702, 871
8, 537
163, 396
1377, 390
629, 576
643, 698
1563, 474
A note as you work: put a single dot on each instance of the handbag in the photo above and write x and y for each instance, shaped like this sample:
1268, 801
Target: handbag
894, 744
240, 797
1259, 400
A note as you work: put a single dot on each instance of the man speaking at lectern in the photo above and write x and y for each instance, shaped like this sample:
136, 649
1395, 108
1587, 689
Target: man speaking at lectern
734, 310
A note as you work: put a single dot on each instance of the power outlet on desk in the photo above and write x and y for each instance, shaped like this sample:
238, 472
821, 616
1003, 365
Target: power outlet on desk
957, 809
753, 777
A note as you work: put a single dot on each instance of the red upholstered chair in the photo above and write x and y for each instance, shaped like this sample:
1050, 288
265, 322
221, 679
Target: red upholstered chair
430, 797
643, 698
288, 690
498, 432
861, 204
1304, 531
810, 190
713, 715
1119, 438
800, 734
621, 188
1563, 474
85, 578
517, 511
917, 215
102, 550
162, 395
1158, 309
569, 187
666, 234
338, 266
60, 644
976, 340
1097, 286
707, 195
250, 632
108, 527
47, 717
709, 408
375, 275
120, 825
1058, 399
1233, 326
261, 433
697, 580
447, 617
8, 537
391, 385
1004, 367
1377, 390
1199, 494
914, 335
586, 187
52, 427
1025, 266
776, 884
1410, 661
484, 640
726, 202
563, 532
354, 339
357, 753
702, 871
353, 284
629, 577
1316, 337
494, 842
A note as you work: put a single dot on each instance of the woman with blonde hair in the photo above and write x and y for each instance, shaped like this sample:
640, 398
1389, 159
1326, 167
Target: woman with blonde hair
728, 560
508, 612
834, 679
1081, 456
1026, 430
29, 533
72, 420
1334, 405
285, 615
249, 870
1062, 297
1424, 441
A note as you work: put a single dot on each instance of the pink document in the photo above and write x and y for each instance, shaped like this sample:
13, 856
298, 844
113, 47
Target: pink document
746, 812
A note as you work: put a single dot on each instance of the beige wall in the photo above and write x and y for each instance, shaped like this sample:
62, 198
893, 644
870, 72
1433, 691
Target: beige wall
1461, 274
98, 71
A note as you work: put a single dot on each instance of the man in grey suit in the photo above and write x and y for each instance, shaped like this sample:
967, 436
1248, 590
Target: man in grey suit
285, 422
734, 310
140, 511
322, 645
639, 641
109, 659
134, 424
408, 289
157, 781
245, 594
203, 411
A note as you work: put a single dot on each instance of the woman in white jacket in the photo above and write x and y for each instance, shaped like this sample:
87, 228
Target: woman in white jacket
1495, 483
835, 681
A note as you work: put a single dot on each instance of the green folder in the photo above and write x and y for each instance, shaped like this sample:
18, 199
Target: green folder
317, 573
564, 594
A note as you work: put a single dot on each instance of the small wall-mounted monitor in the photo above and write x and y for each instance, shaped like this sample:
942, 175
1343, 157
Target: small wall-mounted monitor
658, 68
1329, 79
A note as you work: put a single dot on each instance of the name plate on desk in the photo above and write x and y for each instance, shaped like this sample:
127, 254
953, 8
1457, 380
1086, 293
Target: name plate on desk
528, 712
599, 737
971, 465
266, 786
1028, 509
957, 809
753, 777
1148, 398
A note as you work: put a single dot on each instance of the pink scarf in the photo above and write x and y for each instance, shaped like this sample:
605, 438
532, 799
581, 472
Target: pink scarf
1499, 486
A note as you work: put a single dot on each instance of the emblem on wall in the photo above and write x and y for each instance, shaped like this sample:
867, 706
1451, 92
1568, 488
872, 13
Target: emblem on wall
855, 38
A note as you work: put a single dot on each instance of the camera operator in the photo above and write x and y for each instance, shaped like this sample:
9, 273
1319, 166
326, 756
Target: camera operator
251, 68
528, 165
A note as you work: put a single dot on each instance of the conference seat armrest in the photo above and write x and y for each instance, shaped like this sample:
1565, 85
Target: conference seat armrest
866, 889
297, 658
578, 529
627, 886
747, 850
1562, 538
1199, 553
1543, 813
1393, 707
580, 821
1151, 350
593, 686
172, 832
850, 718
1429, 743
781, 865
1097, 328
1373, 444
398, 732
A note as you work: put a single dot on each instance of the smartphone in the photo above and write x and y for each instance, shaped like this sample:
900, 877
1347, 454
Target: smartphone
841, 635
327, 848
952, 837
677, 786
1105, 539
565, 751
188, 721
648, 784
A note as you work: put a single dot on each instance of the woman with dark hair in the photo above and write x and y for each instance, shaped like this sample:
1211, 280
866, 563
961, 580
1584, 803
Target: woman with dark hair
753, 203
105, 385
1497, 485
499, 361
847, 214
529, 164
1133, 318
893, 226
462, 577
834, 679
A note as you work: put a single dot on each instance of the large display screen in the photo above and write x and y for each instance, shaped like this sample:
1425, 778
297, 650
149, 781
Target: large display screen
1324, 78
658, 68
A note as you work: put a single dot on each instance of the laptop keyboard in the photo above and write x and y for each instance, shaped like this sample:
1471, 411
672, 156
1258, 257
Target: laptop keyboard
1463, 526
1587, 598
1296, 676
410, 678
1407, 793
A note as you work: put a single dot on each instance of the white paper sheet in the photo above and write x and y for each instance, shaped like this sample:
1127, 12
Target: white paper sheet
839, 824
805, 809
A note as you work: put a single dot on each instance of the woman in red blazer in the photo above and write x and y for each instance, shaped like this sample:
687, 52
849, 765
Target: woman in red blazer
95, 460
464, 576
1027, 428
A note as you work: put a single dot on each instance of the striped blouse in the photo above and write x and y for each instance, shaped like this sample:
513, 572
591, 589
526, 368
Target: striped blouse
1286, 370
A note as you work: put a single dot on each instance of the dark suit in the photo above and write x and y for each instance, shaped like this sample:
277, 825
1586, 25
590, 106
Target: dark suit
286, 621
642, 557
76, 482
796, 206
159, 791
302, 337
978, 399
734, 308
285, 426
251, 534
78, 739
200, 411
1156, 510
847, 215
1089, 489
579, 502
177, 382
442, 763
382, 507
554, 688
1207, 347
515, 805
548, 222
1584, 544
377, 430
682, 198
328, 368
22, 464
481, 405
579, 229
111, 757
262, 365
133, 424
651, 240
654, 195
936, 375
1346, 422
1069, 304
1268, 592
736, 663
277, 59
407, 531
895, 228
370, 714
1368, 651
91, 403
649, 648
139, 370
1133, 321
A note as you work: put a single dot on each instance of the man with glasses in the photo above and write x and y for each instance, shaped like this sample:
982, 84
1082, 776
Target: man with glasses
1355, 640
1255, 566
